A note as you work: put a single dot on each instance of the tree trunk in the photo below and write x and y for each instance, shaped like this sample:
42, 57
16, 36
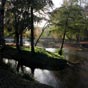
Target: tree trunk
78, 38
2, 41
60, 52
21, 39
43, 29
65, 30
17, 39
16, 33
32, 31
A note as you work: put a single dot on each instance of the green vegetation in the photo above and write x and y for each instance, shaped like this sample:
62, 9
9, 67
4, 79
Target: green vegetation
17, 18
71, 17
41, 50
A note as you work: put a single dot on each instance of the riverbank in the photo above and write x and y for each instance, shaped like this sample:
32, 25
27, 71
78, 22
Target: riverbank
76, 50
9, 79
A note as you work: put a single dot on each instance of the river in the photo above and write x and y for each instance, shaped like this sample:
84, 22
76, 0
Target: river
68, 78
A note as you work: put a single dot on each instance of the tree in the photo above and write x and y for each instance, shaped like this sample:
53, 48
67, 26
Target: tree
2, 21
68, 19
2, 42
25, 15
43, 29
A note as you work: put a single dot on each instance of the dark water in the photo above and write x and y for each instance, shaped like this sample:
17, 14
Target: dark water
68, 78
77, 77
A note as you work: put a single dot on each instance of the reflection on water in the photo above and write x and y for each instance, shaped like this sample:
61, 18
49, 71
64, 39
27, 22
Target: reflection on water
68, 78
46, 77
51, 49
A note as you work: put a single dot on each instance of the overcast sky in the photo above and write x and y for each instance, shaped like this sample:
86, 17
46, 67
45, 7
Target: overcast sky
57, 3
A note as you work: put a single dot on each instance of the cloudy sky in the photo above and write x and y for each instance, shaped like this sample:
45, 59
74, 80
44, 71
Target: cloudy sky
57, 3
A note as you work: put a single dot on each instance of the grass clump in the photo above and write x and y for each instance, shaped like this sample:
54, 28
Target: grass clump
43, 51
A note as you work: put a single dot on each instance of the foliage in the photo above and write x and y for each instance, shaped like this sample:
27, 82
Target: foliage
42, 51
21, 16
75, 16
19, 12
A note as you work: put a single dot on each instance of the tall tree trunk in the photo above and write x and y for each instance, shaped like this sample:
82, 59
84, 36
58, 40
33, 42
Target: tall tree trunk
43, 29
17, 40
60, 52
21, 39
16, 33
65, 30
2, 41
78, 38
32, 30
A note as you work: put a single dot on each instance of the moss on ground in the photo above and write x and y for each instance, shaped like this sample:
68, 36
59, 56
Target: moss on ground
43, 51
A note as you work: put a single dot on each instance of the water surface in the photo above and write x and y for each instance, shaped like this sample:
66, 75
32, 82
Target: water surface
68, 78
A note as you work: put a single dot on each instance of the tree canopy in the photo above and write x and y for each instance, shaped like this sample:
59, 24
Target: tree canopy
75, 14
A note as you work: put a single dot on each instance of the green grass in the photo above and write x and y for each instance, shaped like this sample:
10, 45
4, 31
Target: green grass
43, 51
40, 50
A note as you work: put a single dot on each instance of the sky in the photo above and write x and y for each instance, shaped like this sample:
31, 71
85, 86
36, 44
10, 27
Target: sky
57, 3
